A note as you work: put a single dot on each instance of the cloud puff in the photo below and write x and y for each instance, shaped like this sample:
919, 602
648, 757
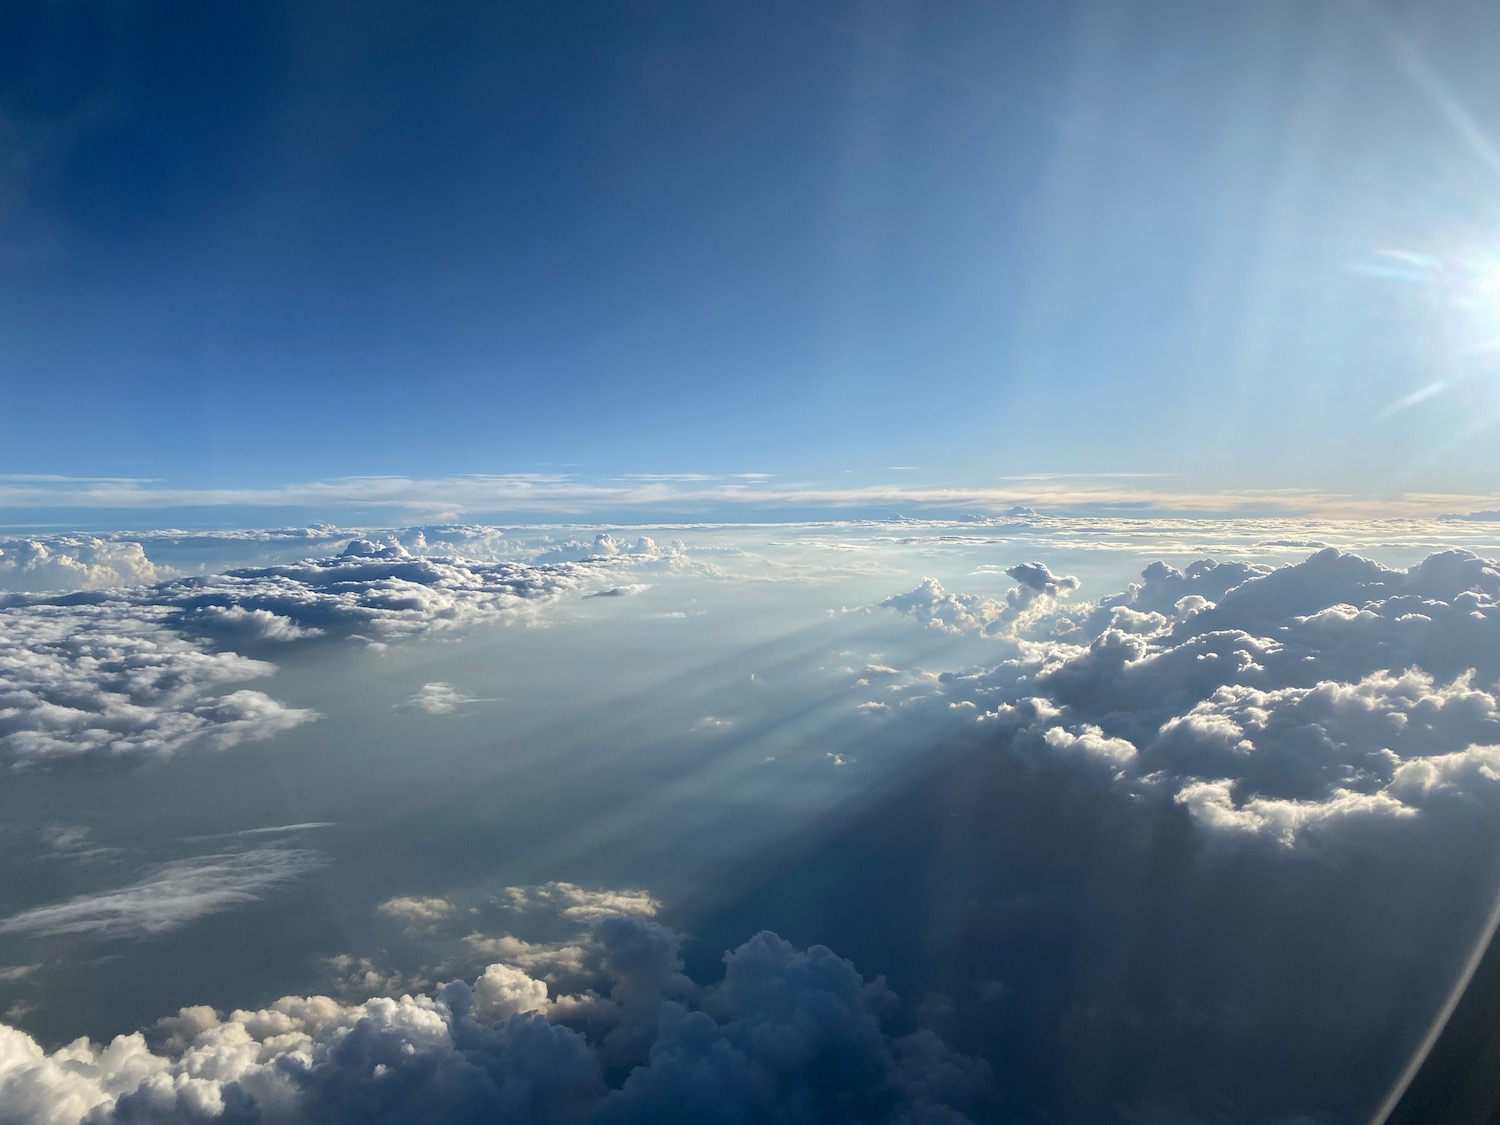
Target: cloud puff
416, 911
1036, 591
787, 1035
1270, 702
548, 960
439, 699
235, 622
582, 904
168, 897
606, 546
74, 562
104, 680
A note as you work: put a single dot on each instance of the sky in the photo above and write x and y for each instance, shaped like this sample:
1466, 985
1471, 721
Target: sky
884, 247
819, 563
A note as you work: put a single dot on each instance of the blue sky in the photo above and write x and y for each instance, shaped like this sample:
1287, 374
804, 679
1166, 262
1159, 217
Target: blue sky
262, 246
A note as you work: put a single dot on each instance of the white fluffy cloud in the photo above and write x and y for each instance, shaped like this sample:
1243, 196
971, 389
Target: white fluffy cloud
105, 680
384, 590
416, 910
74, 562
584, 905
1267, 702
139, 672
785, 1031
1036, 591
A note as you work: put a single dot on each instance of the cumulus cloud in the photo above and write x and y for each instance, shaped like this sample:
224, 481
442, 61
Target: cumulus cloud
101, 680
1268, 702
416, 911
548, 960
359, 977
1037, 589
237, 622
787, 1034
136, 672
74, 562
168, 897
384, 590
582, 904
606, 546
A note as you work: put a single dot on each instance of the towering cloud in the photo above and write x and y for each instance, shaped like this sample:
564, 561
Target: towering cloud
74, 562
1036, 592
787, 1035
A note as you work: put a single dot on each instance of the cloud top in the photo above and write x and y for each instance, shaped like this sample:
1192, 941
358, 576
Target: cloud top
1270, 703
787, 1035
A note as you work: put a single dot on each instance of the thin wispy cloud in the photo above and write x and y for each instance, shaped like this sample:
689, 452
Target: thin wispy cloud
169, 897
452, 498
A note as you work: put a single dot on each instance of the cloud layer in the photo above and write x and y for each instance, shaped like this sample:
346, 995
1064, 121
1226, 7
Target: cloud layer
1267, 702
385, 590
138, 672
786, 1036
112, 680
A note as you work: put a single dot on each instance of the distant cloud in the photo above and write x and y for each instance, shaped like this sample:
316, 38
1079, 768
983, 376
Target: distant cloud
668, 476
439, 699
451, 498
1036, 591
582, 904
382, 589
416, 911
169, 897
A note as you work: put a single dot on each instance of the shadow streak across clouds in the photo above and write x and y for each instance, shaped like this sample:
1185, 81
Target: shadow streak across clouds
1101, 955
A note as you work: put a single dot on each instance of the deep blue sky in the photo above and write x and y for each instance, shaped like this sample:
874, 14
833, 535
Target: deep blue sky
252, 244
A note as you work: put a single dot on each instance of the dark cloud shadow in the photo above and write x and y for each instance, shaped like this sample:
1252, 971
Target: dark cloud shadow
1107, 962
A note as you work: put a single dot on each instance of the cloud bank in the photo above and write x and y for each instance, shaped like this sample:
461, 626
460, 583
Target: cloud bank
1269, 703
114, 680
787, 1035
137, 672
384, 590
452, 497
